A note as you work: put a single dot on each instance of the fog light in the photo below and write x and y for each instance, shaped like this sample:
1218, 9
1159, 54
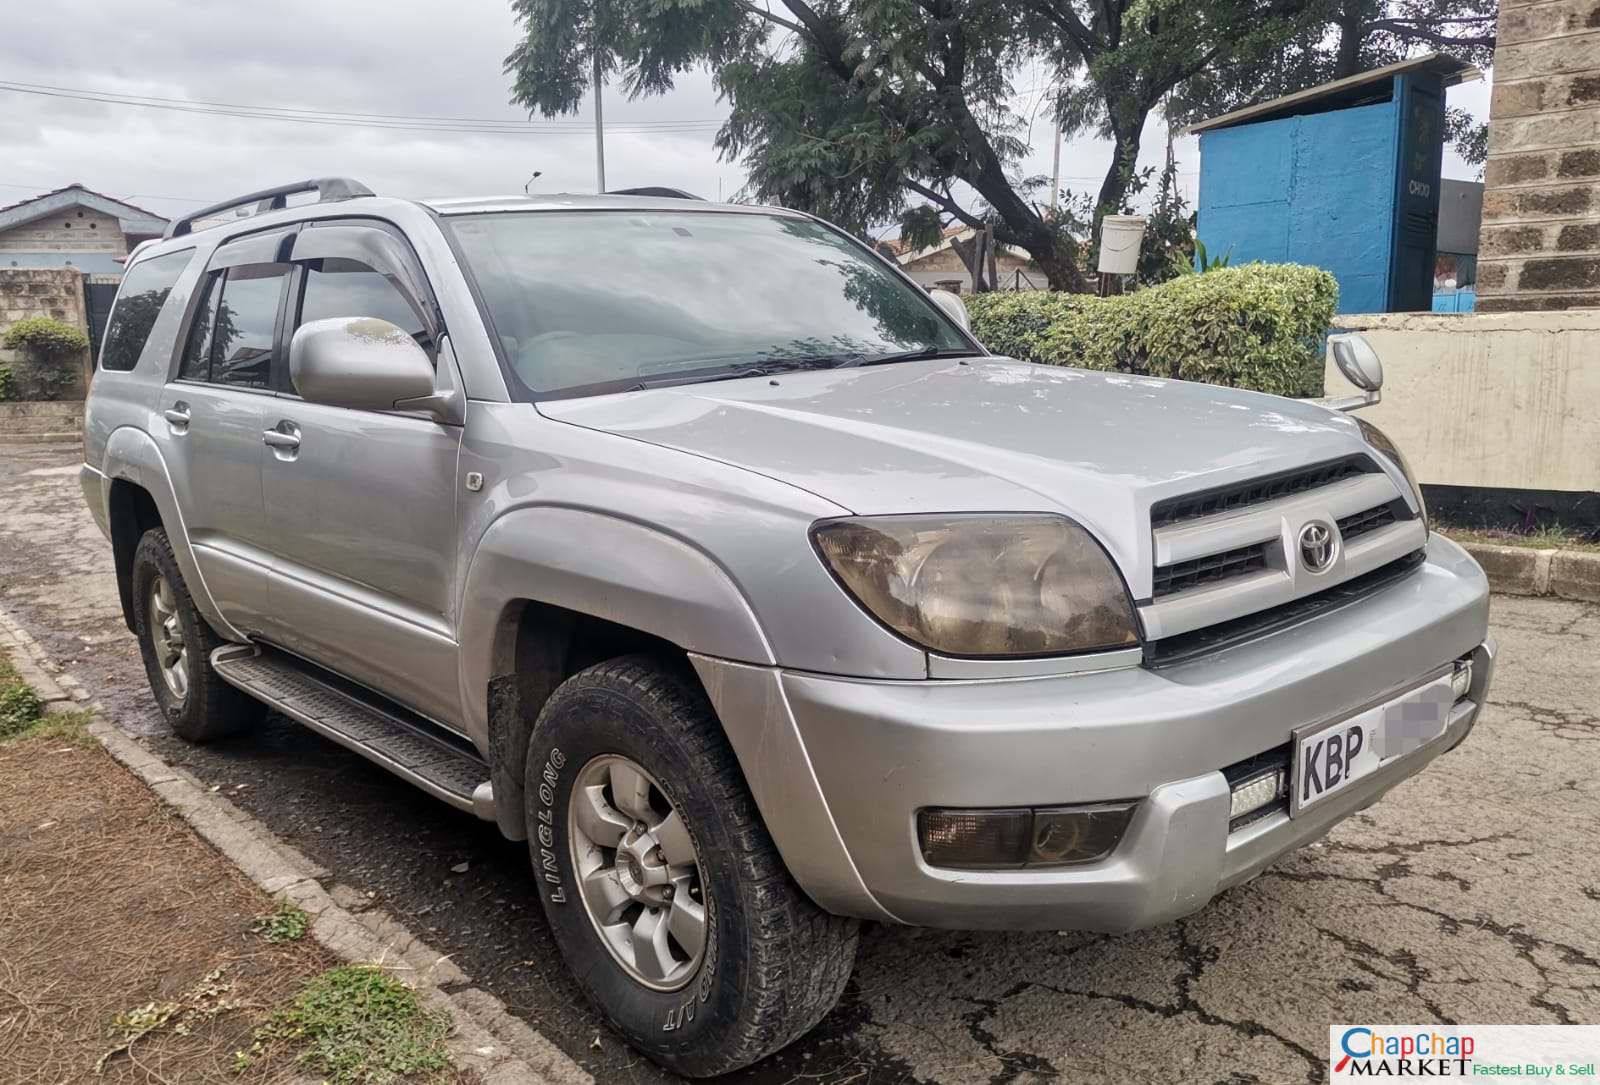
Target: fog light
975, 839
1077, 834
1257, 791
1015, 837
1461, 680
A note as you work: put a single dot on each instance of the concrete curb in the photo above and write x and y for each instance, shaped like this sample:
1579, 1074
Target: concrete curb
1522, 570
487, 1038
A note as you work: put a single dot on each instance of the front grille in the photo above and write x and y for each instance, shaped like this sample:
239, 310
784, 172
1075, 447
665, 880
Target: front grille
1174, 510
1367, 520
1211, 569
1183, 647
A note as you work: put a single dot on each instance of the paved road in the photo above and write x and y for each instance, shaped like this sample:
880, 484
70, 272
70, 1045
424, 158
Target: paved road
1470, 894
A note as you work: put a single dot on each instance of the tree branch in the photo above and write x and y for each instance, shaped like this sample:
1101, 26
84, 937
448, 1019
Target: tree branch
944, 203
778, 20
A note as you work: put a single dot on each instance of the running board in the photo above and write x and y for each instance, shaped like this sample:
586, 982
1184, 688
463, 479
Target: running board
386, 734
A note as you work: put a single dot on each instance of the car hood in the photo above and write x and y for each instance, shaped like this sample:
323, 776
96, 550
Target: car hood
982, 435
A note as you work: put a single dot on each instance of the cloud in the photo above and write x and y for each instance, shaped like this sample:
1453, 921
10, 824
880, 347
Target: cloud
371, 57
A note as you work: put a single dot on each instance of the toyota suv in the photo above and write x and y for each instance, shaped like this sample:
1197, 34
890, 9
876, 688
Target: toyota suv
703, 550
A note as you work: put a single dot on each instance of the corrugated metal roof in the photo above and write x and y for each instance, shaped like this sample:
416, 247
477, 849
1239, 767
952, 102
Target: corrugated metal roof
1303, 101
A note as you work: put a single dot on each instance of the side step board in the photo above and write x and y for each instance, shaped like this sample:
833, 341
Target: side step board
406, 745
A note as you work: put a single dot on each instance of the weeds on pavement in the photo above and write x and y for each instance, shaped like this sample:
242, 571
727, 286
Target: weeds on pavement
288, 924
357, 1025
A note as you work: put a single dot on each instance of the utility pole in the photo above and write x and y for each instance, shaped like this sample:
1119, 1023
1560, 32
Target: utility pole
599, 131
1055, 167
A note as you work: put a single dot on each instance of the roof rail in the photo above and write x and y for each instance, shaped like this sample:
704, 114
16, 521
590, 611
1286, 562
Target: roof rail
658, 191
272, 199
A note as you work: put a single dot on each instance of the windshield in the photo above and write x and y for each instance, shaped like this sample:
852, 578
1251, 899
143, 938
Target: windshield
601, 301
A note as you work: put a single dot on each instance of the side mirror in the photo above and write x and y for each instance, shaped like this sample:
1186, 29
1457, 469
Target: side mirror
1359, 363
361, 362
1357, 360
954, 307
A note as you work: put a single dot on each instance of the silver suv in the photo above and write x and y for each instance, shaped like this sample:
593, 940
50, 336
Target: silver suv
702, 549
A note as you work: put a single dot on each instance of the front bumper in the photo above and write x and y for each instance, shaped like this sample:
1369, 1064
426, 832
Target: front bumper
840, 767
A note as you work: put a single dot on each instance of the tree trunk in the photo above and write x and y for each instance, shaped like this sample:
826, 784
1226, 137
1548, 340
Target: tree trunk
1124, 157
1348, 61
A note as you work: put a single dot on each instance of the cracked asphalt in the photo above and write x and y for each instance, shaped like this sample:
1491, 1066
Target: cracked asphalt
1469, 894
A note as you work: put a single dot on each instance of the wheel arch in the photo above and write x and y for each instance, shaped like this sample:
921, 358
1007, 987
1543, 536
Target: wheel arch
139, 496
552, 589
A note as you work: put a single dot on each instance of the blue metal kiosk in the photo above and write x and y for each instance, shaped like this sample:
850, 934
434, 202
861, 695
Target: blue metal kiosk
1344, 176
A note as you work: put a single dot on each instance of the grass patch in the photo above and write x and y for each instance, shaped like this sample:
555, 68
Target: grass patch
288, 924
1539, 538
22, 714
357, 1025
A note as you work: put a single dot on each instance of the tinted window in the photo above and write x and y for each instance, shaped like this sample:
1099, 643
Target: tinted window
144, 291
246, 317
587, 302
337, 287
196, 364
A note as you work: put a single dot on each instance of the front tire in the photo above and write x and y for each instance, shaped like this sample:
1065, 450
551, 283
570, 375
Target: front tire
176, 644
662, 886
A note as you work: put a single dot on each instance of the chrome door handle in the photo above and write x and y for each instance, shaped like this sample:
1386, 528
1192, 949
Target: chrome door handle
275, 438
177, 414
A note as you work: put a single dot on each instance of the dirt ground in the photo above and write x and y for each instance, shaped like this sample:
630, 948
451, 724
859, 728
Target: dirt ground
1469, 894
109, 902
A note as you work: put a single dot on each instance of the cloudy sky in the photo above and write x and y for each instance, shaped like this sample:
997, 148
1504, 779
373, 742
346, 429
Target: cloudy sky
366, 57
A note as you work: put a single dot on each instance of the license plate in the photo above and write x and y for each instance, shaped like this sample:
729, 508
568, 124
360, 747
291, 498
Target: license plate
1329, 757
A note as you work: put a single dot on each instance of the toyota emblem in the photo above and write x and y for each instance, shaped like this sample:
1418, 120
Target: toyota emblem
1318, 545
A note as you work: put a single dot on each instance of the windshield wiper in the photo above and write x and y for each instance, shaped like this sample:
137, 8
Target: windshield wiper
752, 369
904, 356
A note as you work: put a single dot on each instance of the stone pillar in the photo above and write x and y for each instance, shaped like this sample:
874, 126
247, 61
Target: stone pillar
1540, 245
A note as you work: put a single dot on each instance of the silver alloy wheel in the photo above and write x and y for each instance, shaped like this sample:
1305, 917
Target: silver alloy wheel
638, 873
166, 637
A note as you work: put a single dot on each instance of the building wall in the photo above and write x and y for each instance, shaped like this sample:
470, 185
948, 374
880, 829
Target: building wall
1316, 190
945, 266
85, 239
1501, 400
52, 292
1540, 247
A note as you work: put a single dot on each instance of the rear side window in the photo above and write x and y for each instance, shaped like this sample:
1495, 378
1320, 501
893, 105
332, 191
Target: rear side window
144, 291
232, 338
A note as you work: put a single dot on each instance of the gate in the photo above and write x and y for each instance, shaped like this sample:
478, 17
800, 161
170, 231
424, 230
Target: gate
99, 291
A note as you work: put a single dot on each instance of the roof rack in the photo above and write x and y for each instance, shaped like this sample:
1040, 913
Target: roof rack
658, 191
327, 189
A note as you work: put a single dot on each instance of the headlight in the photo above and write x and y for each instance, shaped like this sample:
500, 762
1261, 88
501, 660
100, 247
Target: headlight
982, 585
1380, 441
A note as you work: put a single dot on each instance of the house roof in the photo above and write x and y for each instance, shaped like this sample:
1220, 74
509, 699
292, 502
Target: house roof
899, 250
1341, 92
133, 219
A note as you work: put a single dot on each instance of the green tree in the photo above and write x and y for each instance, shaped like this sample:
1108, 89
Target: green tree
866, 111
1340, 38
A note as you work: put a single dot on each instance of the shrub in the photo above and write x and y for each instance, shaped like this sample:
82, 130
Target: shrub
49, 350
45, 337
1257, 326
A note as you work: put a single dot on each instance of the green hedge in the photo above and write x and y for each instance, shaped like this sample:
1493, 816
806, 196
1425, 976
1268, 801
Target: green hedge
1255, 326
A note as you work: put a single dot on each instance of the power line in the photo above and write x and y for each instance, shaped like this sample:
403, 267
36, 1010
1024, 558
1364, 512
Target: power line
341, 113
330, 118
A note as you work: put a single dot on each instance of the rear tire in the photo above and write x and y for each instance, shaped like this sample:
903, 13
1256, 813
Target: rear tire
176, 644
770, 963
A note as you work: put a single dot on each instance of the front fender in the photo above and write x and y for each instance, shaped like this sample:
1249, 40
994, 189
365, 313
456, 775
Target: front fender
132, 456
606, 567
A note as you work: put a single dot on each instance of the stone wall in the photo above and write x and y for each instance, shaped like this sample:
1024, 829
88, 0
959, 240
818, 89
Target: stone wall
1540, 245
51, 292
